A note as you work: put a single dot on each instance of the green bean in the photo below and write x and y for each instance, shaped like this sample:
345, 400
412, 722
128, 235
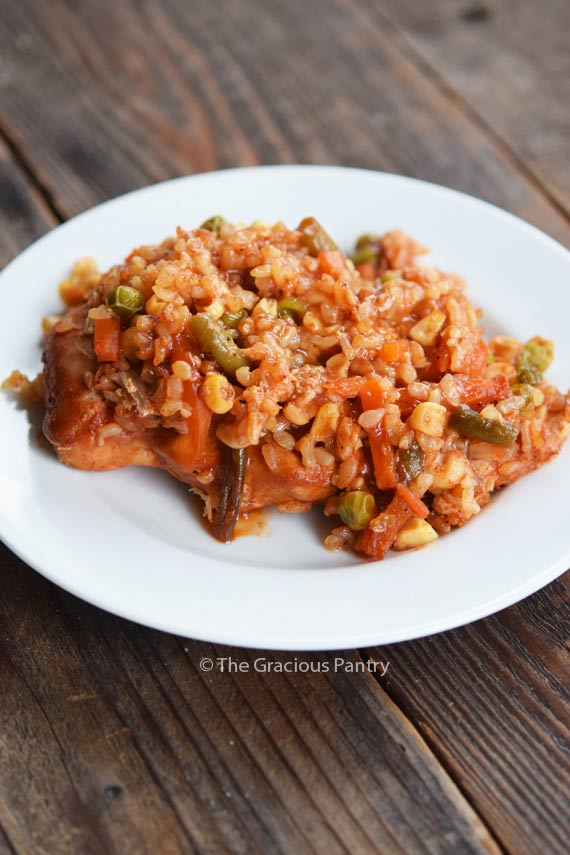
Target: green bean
470, 424
233, 319
227, 512
291, 307
125, 301
217, 341
410, 462
356, 509
314, 237
213, 224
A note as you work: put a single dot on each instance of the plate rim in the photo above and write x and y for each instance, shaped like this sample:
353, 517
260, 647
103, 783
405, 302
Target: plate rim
421, 629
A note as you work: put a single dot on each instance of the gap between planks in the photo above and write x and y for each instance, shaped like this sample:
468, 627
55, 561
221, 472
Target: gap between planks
366, 656
28, 172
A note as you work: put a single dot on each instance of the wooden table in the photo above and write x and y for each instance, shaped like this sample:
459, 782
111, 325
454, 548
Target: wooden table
112, 740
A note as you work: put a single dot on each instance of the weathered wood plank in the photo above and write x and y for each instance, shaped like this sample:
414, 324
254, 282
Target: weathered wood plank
5, 847
72, 779
492, 700
149, 744
126, 754
510, 62
231, 84
314, 762
24, 215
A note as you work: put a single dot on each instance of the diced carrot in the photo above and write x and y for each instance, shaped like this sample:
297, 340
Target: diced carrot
406, 402
198, 421
373, 544
414, 503
383, 460
376, 541
482, 391
181, 346
107, 339
394, 351
331, 261
345, 387
366, 270
443, 358
472, 360
431, 372
475, 362
372, 394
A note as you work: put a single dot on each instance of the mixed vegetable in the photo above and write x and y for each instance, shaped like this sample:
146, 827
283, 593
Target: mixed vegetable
229, 502
215, 340
472, 425
386, 508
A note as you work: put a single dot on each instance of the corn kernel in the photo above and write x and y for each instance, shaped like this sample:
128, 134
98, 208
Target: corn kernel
428, 418
491, 412
215, 310
325, 423
267, 305
416, 532
425, 331
218, 393
182, 369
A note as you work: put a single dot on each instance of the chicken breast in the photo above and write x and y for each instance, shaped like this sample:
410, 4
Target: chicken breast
79, 423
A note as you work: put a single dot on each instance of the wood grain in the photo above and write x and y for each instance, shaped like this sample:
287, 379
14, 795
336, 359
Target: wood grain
492, 701
112, 739
509, 62
141, 751
207, 100
24, 214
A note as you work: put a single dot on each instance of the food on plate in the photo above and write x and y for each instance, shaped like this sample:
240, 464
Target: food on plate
264, 367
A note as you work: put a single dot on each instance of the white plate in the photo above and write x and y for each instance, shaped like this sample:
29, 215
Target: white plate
131, 542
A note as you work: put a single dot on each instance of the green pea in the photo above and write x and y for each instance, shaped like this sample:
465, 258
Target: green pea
410, 462
539, 351
124, 302
213, 224
528, 374
366, 240
537, 355
365, 255
356, 509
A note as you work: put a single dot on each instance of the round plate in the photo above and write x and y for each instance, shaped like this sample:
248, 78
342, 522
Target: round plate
132, 542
